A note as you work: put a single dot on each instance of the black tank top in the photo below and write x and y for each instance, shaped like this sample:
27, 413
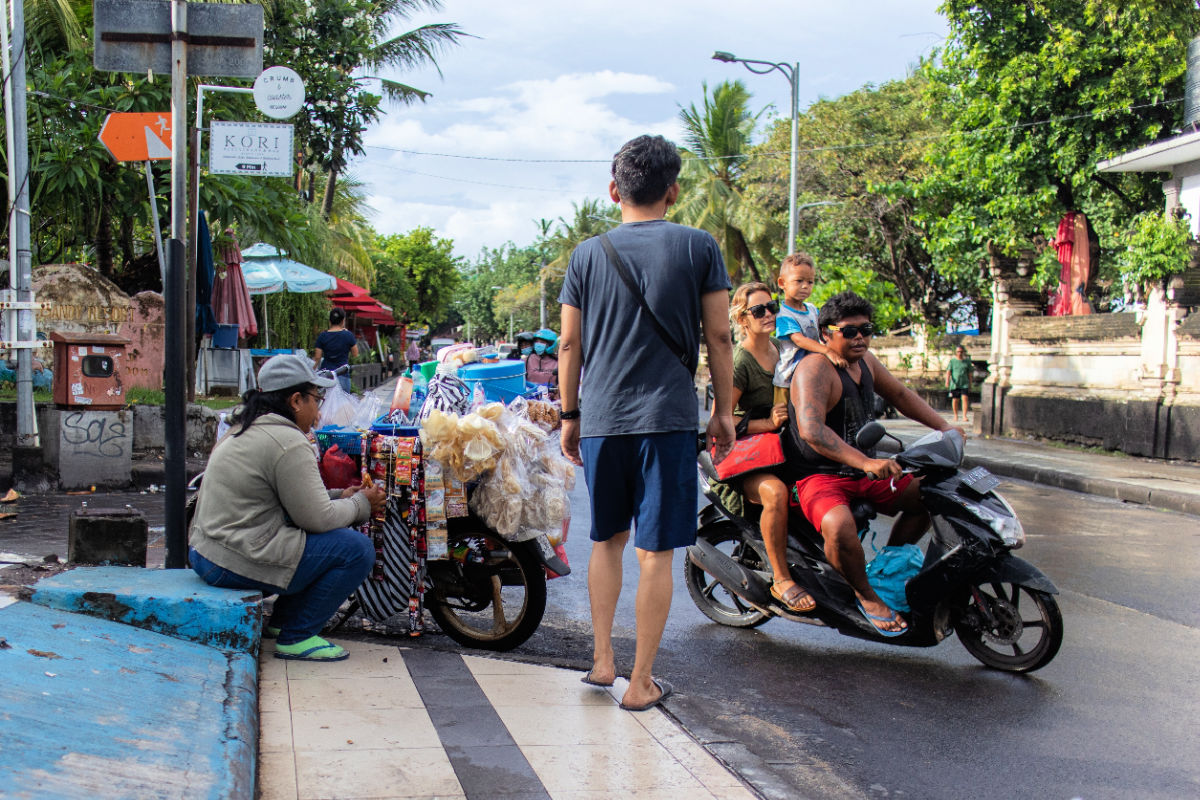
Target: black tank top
845, 419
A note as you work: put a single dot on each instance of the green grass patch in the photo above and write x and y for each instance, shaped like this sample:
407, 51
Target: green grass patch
135, 396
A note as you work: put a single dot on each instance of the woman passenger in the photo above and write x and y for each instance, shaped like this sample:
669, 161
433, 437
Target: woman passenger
753, 311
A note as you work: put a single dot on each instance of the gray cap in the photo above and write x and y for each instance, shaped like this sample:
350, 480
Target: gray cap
286, 371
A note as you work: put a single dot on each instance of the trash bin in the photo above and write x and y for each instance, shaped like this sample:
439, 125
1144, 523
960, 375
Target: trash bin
225, 337
87, 370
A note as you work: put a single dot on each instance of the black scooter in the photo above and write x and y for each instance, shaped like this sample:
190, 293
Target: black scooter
1001, 607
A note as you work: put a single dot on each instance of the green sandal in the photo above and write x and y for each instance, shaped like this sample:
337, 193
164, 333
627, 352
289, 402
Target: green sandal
271, 633
314, 648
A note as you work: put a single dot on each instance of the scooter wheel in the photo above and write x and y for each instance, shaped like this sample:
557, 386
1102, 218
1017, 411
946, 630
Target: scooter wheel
714, 600
1010, 627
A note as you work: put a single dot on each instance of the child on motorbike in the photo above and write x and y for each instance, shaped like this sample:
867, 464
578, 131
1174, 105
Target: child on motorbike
796, 325
755, 359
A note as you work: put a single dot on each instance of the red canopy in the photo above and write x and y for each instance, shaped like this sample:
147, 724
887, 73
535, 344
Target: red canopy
348, 288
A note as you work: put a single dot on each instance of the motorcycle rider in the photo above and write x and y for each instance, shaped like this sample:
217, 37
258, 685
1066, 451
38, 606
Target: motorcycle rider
826, 408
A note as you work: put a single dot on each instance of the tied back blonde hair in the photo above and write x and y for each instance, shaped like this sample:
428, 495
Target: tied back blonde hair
740, 304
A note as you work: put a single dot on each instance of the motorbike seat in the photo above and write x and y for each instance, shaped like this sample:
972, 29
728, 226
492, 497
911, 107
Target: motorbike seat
863, 513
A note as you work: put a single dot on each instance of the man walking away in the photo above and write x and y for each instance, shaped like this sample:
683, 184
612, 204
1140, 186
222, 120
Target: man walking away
958, 381
635, 338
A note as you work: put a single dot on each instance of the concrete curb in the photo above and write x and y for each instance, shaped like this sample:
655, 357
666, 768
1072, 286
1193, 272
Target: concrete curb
128, 682
1128, 492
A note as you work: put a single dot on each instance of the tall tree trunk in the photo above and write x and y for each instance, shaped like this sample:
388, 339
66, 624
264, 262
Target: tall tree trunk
104, 238
330, 191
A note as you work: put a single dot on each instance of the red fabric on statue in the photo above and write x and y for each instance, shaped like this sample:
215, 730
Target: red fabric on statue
1074, 254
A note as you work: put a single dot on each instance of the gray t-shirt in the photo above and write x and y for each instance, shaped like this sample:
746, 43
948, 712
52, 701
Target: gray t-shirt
632, 382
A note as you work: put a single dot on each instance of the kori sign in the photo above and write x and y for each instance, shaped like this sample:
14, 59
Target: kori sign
250, 148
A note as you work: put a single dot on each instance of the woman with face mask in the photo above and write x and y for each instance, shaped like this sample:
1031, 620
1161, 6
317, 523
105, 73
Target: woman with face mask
542, 364
524, 346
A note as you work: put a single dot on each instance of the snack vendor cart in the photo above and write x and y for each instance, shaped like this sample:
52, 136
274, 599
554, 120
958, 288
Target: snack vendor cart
449, 537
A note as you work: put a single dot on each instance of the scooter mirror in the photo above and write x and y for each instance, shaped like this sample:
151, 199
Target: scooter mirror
869, 435
706, 466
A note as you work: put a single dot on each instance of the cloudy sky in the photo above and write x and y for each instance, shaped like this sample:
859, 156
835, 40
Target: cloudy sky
550, 82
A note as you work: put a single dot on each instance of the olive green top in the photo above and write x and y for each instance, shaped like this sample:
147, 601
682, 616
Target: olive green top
754, 382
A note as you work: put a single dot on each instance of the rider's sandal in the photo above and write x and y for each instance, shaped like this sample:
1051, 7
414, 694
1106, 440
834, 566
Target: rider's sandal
893, 617
314, 648
795, 599
271, 633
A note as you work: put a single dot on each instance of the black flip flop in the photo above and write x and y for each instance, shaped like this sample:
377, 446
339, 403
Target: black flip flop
588, 680
664, 687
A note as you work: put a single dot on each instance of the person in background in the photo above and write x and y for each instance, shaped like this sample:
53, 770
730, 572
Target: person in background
958, 381
413, 355
265, 522
335, 347
542, 365
636, 434
524, 347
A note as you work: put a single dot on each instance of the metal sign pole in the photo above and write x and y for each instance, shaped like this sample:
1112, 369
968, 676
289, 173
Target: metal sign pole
158, 244
19, 252
175, 413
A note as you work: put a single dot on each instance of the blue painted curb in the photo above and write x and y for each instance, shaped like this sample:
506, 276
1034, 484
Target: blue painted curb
175, 602
95, 708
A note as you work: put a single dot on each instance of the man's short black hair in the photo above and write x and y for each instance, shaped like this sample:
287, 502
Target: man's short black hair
644, 168
843, 305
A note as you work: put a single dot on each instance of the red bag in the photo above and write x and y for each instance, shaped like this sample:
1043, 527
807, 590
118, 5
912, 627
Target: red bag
338, 470
751, 454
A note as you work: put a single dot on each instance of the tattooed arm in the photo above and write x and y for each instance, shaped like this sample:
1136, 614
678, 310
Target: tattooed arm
816, 389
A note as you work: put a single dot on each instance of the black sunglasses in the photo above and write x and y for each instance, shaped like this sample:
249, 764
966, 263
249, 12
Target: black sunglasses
762, 309
852, 331
317, 394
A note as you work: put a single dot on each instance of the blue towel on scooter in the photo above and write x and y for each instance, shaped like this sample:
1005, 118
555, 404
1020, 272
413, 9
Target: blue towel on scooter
891, 569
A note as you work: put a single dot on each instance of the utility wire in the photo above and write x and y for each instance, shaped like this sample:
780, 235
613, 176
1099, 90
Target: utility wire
782, 153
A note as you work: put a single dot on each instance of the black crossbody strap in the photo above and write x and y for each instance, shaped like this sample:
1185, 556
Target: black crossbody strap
668, 340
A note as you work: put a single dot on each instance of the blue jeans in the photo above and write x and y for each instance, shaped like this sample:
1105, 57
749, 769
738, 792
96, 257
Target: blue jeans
332, 567
344, 380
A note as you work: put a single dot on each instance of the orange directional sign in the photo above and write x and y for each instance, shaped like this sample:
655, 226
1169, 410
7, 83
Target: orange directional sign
137, 136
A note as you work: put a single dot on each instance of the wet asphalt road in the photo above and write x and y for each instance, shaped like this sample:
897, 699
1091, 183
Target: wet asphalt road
802, 711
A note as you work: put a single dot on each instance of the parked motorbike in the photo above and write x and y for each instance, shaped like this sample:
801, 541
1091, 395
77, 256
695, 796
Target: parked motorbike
1001, 607
490, 593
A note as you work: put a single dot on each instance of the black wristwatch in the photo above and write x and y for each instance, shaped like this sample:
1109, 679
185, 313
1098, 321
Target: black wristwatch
569, 414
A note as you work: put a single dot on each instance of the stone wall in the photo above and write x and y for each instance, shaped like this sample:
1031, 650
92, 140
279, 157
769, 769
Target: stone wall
1127, 382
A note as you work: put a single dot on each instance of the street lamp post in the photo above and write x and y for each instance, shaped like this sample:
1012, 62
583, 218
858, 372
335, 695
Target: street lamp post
792, 73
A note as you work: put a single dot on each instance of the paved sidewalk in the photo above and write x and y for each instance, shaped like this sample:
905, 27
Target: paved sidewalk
1171, 485
400, 722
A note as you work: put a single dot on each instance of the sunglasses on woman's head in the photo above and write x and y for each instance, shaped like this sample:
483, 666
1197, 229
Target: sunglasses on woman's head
852, 331
762, 309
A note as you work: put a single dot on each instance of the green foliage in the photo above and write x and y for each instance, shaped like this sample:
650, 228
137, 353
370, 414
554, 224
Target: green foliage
1156, 247
417, 274
503, 282
1035, 94
295, 318
860, 156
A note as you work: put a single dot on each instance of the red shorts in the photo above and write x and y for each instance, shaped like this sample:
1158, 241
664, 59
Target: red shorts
816, 495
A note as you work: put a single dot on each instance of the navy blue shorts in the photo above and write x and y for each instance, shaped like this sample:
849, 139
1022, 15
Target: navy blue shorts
648, 480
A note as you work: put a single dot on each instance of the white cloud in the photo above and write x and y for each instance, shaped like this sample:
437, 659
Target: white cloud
551, 81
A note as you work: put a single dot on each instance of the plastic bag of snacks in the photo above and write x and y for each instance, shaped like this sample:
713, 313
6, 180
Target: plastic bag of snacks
523, 477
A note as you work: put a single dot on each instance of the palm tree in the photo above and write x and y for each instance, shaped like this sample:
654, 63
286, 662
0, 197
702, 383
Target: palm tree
332, 49
717, 138
592, 217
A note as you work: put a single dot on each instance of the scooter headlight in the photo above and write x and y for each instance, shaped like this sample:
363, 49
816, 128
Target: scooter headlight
1007, 527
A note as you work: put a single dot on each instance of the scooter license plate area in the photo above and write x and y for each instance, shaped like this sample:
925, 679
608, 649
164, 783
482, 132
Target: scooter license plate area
979, 481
